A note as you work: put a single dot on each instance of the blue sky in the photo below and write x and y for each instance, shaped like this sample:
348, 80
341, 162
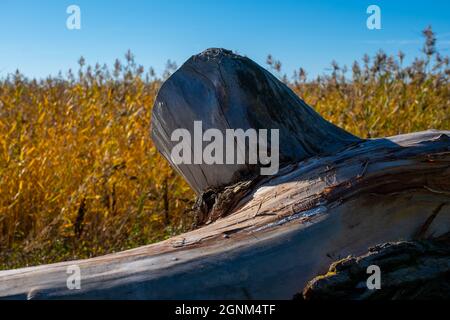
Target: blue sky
308, 34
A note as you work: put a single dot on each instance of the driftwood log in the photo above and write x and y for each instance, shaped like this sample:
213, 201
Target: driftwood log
265, 236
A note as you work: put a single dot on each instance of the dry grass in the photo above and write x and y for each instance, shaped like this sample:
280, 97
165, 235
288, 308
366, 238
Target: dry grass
80, 177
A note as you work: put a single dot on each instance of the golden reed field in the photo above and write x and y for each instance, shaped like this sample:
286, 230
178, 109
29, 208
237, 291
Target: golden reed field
80, 176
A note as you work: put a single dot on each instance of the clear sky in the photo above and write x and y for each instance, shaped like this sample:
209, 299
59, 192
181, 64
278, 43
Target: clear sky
310, 34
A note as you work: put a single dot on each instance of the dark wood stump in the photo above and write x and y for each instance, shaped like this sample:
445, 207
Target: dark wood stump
228, 91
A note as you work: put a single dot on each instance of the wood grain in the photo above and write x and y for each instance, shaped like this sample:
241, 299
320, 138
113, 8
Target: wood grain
228, 91
279, 236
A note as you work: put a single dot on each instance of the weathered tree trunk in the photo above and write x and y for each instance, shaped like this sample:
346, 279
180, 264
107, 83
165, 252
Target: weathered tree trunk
266, 237
227, 91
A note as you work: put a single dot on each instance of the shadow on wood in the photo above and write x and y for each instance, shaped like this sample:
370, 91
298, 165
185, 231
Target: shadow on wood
417, 269
228, 91
335, 196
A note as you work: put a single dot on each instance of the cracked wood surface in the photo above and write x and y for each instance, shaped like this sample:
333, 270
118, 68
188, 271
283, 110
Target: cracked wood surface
280, 235
227, 91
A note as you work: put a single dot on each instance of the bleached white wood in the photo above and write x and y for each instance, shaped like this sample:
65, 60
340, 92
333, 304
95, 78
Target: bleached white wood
286, 231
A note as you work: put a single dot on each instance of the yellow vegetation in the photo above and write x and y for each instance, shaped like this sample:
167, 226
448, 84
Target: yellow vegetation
80, 176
